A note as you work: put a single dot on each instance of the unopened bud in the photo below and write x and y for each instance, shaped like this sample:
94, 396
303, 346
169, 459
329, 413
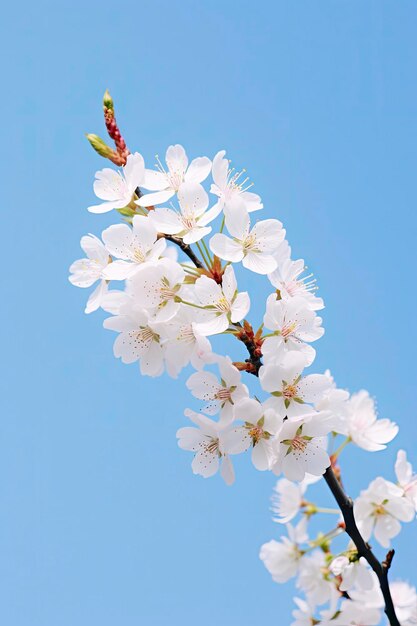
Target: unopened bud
100, 146
108, 101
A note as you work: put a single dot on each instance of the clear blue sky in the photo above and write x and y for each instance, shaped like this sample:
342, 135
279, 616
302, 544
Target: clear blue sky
101, 521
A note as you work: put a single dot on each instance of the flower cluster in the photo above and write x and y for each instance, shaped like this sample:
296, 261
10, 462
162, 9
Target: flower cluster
166, 299
339, 586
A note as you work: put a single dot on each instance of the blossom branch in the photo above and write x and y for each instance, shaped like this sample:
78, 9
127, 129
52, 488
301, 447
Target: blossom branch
381, 569
346, 507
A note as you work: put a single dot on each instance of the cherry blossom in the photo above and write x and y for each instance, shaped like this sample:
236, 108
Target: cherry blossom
190, 222
379, 510
364, 427
335, 401
406, 479
157, 286
138, 339
289, 281
183, 343
405, 601
260, 426
224, 303
313, 578
86, 272
230, 185
132, 247
287, 500
220, 395
282, 558
212, 443
294, 325
165, 183
289, 389
301, 447
118, 188
353, 572
356, 614
253, 247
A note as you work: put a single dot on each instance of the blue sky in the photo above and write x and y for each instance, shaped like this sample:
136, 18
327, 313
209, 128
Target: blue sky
101, 519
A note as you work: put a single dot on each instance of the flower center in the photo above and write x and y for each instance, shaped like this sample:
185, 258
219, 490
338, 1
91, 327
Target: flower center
144, 335
138, 255
213, 446
223, 305
234, 185
290, 391
188, 221
224, 394
186, 334
379, 509
288, 329
256, 433
299, 444
249, 243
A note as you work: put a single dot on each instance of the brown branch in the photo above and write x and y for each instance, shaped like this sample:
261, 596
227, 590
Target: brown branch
381, 569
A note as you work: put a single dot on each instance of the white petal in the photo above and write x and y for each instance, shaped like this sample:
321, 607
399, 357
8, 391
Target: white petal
117, 239
166, 221
199, 170
158, 197
237, 219
96, 298
216, 325
226, 248
240, 307
134, 170
155, 181
259, 262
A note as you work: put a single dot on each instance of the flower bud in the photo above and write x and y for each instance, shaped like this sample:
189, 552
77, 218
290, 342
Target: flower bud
100, 146
108, 100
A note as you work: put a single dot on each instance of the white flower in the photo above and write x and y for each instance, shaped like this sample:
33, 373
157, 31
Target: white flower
363, 425
287, 500
353, 573
294, 325
303, 614
211, 444
132, 247
260, 426
313, 578
166, 183
117, 188
220, 395
380, 508
190, 223
224, 303
288, 279
335, 401
404, 597
371, 597
157, 288
254, 247
353, 613
290, 391
406, 479
228, 185
138, 339
85, 272
282, 558
183, 343
301, 448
